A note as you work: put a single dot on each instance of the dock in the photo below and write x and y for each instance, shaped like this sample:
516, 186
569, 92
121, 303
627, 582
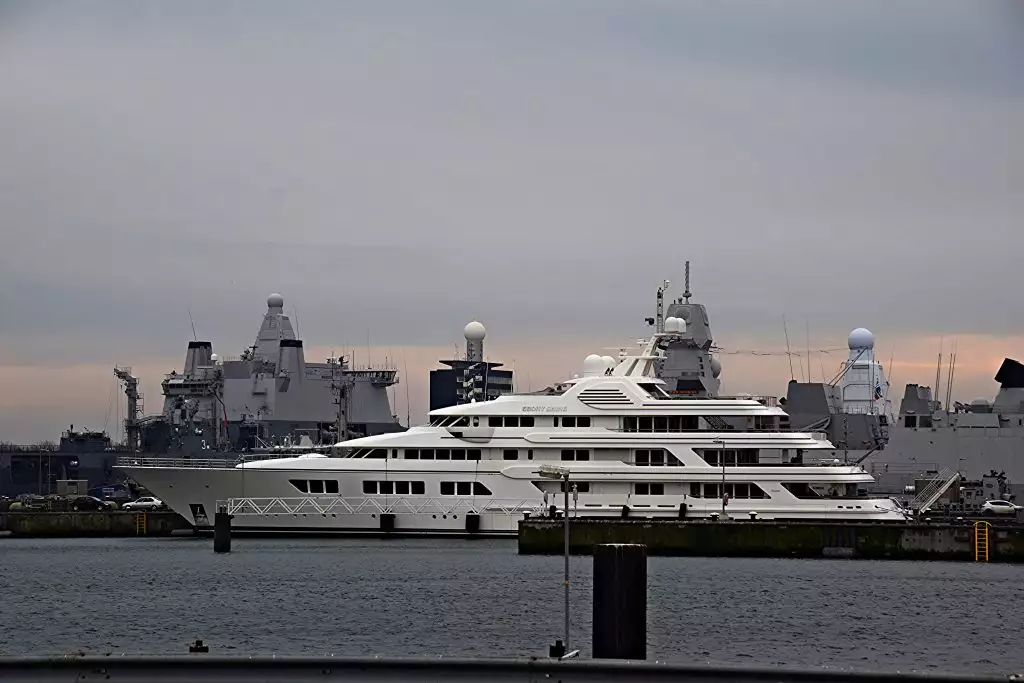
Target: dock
101, 524
963, 541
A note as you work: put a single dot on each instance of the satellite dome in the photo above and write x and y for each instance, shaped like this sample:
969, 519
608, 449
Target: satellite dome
475, 331
593, 365
675, 325
213, 358
609, 362
275, 300
861, 338
980, 402
716, 367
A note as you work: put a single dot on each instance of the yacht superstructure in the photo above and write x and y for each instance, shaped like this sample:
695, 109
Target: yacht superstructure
627, 445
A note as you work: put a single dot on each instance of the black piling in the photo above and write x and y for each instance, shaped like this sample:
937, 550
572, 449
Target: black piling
222, 531
620, 601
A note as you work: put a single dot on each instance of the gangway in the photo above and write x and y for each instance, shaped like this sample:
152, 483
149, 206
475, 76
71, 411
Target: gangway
933, 491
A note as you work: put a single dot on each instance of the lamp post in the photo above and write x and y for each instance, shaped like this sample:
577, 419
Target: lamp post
562, 474
721, 459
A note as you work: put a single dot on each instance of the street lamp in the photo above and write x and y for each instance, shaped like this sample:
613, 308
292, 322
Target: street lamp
562, 474
721, 458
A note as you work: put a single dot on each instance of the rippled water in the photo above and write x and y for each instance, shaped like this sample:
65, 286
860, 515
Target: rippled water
416, 597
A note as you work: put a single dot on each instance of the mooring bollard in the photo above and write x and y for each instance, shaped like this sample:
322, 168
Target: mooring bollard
620, 601
222, 531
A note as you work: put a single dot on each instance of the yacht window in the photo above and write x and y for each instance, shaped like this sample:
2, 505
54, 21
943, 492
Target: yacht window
494, 422
645, 424
661, 424
458, 454
764, 423
581, 486
426, 454
510, 454
464, 488
377, 453
711, 491
473, 454
394, 452
462, 422
644, 489
402, 488
412, 454
476, 421
301, 484
629, 424
569, 421
480, 490
316, 486
556, 421
369, 487
511, 421
386, 487
571, 455
583, 421
443, 454
331, 486
419, 488
526, 421
447, 488
529, 454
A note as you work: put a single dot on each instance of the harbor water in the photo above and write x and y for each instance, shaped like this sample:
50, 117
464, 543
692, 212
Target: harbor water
480, 598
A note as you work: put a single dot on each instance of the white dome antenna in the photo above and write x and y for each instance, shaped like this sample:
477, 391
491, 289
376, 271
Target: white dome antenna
474, 333
593, 366
275, 300
861, 339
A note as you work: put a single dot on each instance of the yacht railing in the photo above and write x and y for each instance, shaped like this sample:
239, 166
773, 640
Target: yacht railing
395, 505
137, 461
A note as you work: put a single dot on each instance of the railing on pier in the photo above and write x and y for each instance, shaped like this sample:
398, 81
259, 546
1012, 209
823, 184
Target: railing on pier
383, 504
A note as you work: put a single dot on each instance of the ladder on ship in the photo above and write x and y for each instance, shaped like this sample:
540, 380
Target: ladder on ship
933, 491
981, 530
140, 524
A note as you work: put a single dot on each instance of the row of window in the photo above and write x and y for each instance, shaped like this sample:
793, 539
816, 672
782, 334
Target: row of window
510, 421
652, 489
574, 421
315, 485
740, 491
654, 457
441, 454
575, 454
399, 488
513, 454
667, 423
464, 488
730, 457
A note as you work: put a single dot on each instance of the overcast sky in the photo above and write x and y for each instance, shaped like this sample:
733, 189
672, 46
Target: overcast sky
399, 168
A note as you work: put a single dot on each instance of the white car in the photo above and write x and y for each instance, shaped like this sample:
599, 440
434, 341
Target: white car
145, 503
999, 507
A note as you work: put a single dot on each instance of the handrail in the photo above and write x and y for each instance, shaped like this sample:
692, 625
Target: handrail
383, 504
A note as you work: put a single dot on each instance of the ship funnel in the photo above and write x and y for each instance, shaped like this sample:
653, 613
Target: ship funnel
199, 355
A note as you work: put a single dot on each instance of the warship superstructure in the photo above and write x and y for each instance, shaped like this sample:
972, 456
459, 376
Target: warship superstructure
269, 397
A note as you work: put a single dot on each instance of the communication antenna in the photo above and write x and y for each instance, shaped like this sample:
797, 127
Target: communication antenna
938, 371
295, 312
408, 410
789, 352
195, 337
686, 283
807, 329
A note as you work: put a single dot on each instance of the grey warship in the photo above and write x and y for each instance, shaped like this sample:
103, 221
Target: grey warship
980, 443
268, 399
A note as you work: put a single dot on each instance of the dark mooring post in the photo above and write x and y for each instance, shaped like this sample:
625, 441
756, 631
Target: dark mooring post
620, 601
222, 531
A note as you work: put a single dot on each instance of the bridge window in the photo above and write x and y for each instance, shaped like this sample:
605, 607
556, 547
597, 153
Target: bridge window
654, 457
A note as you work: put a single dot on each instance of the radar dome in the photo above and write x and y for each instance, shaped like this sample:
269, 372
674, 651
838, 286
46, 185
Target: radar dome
213, 358
475, 331
716, 367
275, 300
675, 325
861, 338
980, 402
609, 362
593, 365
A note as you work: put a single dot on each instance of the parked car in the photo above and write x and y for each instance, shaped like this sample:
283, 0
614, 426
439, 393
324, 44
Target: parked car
144, 503
999, 507
90, 503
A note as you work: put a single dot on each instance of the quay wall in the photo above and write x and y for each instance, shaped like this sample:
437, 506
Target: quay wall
95, 524
774, 539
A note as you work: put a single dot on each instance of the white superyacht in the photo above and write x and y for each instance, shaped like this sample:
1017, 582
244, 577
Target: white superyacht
626, 447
